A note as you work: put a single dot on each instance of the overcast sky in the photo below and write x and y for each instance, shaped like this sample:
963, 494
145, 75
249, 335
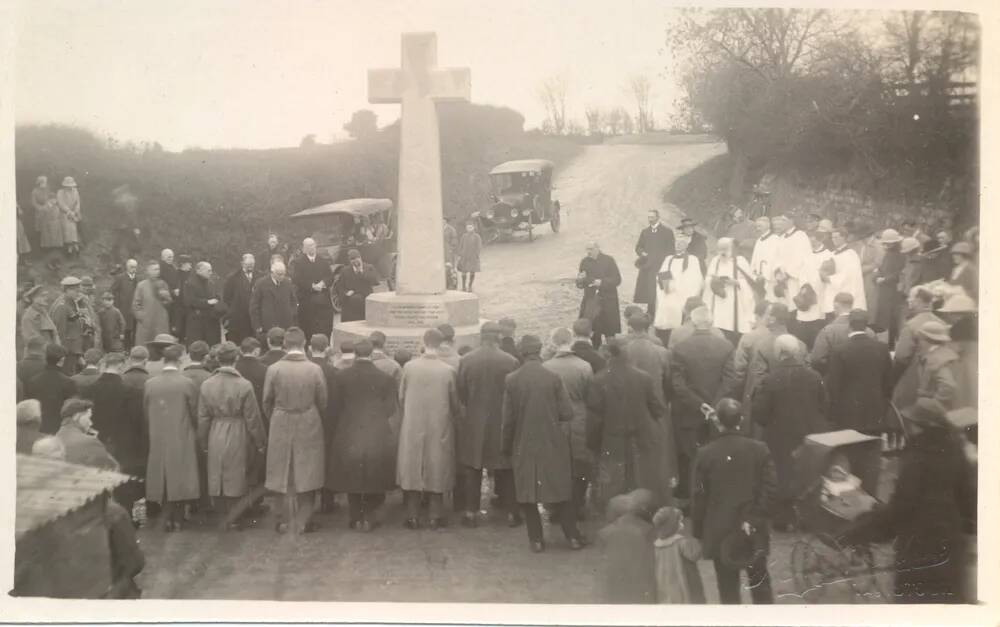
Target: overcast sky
242, 73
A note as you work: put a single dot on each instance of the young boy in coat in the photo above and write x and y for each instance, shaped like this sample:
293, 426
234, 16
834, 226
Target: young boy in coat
629, 574
676, 557
112, 324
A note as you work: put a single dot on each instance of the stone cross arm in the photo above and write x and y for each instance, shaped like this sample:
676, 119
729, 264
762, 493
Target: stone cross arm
419, 75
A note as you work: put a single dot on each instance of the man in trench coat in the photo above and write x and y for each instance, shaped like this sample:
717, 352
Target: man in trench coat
599, 278
149, 306
295, 395
535, 403
229, 431
361, 455
426, 458
171, 404
481, 375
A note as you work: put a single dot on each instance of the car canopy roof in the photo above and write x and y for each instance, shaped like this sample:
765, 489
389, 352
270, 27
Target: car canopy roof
350, 206
523, 165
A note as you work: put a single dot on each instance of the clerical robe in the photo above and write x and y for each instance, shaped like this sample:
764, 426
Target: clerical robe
846, 277
792, 257
681, 275
732, 311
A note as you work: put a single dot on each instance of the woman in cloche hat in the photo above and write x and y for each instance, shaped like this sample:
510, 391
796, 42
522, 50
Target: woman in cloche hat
68, 199
887, 276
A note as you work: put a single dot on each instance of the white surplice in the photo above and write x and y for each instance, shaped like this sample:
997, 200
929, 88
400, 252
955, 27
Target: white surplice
734, 311
685, 283
847, 277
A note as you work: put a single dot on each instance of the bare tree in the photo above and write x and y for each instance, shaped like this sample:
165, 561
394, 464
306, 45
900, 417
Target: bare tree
613, 121
595, 124
639, 86
552, 93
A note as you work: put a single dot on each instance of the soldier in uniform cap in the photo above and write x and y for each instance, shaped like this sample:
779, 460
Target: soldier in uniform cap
73, 323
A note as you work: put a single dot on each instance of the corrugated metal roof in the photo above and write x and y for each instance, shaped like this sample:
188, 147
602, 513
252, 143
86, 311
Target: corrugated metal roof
48, 489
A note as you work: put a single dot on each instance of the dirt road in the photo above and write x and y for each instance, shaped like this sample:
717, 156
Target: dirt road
605, 194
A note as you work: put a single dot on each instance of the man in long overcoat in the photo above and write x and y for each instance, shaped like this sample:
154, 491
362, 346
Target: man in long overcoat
535, 403
313, 278
481, 375
361, 455
35, 322
229, 431
236, 294
203, 307
149, 306
51, 387
170, 402
426, 459
656, 242
859, 381
577, 377
700, 367
273, 302
295, 394
356, 282
790, 404
624, 414
732, 492
123, 290
599, 278
74, 324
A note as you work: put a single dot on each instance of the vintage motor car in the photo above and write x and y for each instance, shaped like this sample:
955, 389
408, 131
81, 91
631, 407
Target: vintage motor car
522, 200
367, 224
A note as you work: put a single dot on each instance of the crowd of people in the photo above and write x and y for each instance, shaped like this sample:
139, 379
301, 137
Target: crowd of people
215, 397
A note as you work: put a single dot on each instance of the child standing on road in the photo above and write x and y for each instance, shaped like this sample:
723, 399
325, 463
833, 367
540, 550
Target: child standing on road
469, 247
112, 325
677, 577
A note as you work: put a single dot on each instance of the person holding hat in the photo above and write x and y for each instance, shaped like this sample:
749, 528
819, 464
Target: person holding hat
676, 556
924, 516
697, 245
229, 430
535, 402
887, 277
35, 321
733, 493
73, 323
79, 439
68, 199
656, 241
937, 365
170, 401
428, 395
149, 306
356, 282
964, 272
481, 376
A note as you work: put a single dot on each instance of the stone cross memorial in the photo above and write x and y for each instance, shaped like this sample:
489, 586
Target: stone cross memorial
420, 300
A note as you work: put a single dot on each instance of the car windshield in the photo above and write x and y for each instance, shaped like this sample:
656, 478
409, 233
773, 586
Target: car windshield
330, 229
511, 183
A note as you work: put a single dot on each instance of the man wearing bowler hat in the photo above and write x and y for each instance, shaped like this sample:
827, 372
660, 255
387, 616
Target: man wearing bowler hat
732, 494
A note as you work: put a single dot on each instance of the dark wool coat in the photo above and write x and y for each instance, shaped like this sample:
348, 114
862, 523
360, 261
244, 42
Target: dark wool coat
28, 367
585, 350
481, 377
123, 289
135, 377
534, 404
254, 370
119, 421
733, 482
509, 346
859, 383
361, 455
628, 570
600, 304
624, 431
700, 366
924, 518
294, 397
653, 247
171, 405
699, 248
315, 308
201, 320
112, 329
362, 284
467, 253
789, 405
51, 387
273, 305
236, 293
890, 300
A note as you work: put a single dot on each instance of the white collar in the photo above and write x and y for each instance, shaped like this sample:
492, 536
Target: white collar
166, 368
853, 333
311, 257
790, 232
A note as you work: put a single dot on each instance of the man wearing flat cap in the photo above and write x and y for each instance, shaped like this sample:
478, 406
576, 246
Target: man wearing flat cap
356, 283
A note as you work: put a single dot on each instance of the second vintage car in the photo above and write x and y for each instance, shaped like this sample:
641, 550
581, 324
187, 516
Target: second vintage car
522, 200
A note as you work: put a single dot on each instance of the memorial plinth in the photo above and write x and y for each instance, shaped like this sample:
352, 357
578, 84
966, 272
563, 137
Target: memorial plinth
421, 301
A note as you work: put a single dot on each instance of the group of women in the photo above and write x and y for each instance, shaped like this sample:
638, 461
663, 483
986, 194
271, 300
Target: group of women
57, 218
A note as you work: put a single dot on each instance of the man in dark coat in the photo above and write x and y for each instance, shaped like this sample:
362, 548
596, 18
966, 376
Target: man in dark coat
51, 387
732, 492
135, 374
123, 290
701, 365
599, 278
33, 361
203, 307
534, 404
356, 283
860, 379
172, 277
656, 242
361, 454
236, 294
120, 424
624, 409
252, 368
273, 302
481, 376
924, 515
789, 405
318, 345
275, 351
507, 342
91, 369
583, 345
313, 278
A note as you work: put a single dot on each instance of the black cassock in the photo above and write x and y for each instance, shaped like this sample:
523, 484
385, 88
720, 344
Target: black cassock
361, 283
600, 304
657, 246
236, 294
315, 308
